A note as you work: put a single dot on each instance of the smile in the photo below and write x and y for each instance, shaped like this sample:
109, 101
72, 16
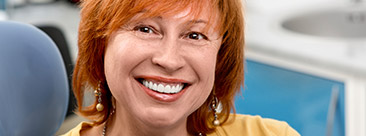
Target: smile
163, 87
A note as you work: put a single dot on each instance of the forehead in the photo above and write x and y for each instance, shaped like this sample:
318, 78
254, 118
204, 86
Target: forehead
175, 8
193, 10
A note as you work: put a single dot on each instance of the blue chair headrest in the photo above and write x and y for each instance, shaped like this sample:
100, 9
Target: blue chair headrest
33, 82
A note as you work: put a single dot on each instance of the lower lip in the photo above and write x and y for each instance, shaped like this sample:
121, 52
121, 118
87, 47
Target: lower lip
163, 97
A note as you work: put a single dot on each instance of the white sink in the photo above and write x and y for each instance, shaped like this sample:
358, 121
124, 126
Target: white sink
337, 23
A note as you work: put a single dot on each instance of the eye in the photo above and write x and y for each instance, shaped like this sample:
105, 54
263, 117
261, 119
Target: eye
196, 36
144, 29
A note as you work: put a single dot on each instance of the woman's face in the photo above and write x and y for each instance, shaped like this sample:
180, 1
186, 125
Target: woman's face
161, 69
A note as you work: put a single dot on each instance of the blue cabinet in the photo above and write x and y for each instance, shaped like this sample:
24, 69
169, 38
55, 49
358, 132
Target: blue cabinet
300, 99
2, 5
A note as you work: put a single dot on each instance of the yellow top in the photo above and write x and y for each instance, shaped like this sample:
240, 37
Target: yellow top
243, 125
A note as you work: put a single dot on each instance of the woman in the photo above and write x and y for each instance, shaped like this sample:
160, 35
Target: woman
161, 67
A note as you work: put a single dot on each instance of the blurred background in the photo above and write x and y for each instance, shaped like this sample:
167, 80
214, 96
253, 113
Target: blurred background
305, 59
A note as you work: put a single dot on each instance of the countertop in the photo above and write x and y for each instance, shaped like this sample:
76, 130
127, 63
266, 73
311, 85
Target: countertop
265, 34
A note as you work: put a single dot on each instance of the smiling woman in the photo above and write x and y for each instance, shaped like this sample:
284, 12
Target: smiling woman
162, 67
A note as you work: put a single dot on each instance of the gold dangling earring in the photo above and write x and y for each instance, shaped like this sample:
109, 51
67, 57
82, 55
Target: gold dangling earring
214, 106
98, 93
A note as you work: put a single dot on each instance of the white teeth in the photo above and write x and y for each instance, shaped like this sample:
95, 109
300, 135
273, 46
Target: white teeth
174, 89
168, 89
150, 85
161, 88
145, 83
155, 86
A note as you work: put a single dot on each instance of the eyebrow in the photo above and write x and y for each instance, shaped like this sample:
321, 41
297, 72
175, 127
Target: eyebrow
197, 21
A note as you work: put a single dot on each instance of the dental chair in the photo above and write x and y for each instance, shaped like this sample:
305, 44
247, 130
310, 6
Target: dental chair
34, 89
57, 36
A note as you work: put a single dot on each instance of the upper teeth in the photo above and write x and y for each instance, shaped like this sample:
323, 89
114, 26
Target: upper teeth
161, 88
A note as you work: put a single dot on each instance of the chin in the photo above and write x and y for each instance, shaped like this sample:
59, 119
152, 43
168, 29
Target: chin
159, 118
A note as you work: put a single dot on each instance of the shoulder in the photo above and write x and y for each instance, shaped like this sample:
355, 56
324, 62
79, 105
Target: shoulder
254, 125
76, 130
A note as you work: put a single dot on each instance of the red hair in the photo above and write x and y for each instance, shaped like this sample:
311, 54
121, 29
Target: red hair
100, 18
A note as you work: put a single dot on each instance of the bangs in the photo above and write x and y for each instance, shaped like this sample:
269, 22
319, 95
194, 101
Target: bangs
154, 8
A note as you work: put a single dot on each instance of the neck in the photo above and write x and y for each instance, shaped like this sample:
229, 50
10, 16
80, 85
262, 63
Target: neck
122, 123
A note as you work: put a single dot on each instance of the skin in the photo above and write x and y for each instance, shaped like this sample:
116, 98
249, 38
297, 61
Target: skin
166, 49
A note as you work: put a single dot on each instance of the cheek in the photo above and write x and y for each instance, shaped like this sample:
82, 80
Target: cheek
205, 65
113, 59
120, 58
208, 66
111, 67
205, 69
205, 61
209, 70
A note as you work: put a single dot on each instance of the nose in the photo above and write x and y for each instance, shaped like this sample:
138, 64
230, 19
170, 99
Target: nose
168, 57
